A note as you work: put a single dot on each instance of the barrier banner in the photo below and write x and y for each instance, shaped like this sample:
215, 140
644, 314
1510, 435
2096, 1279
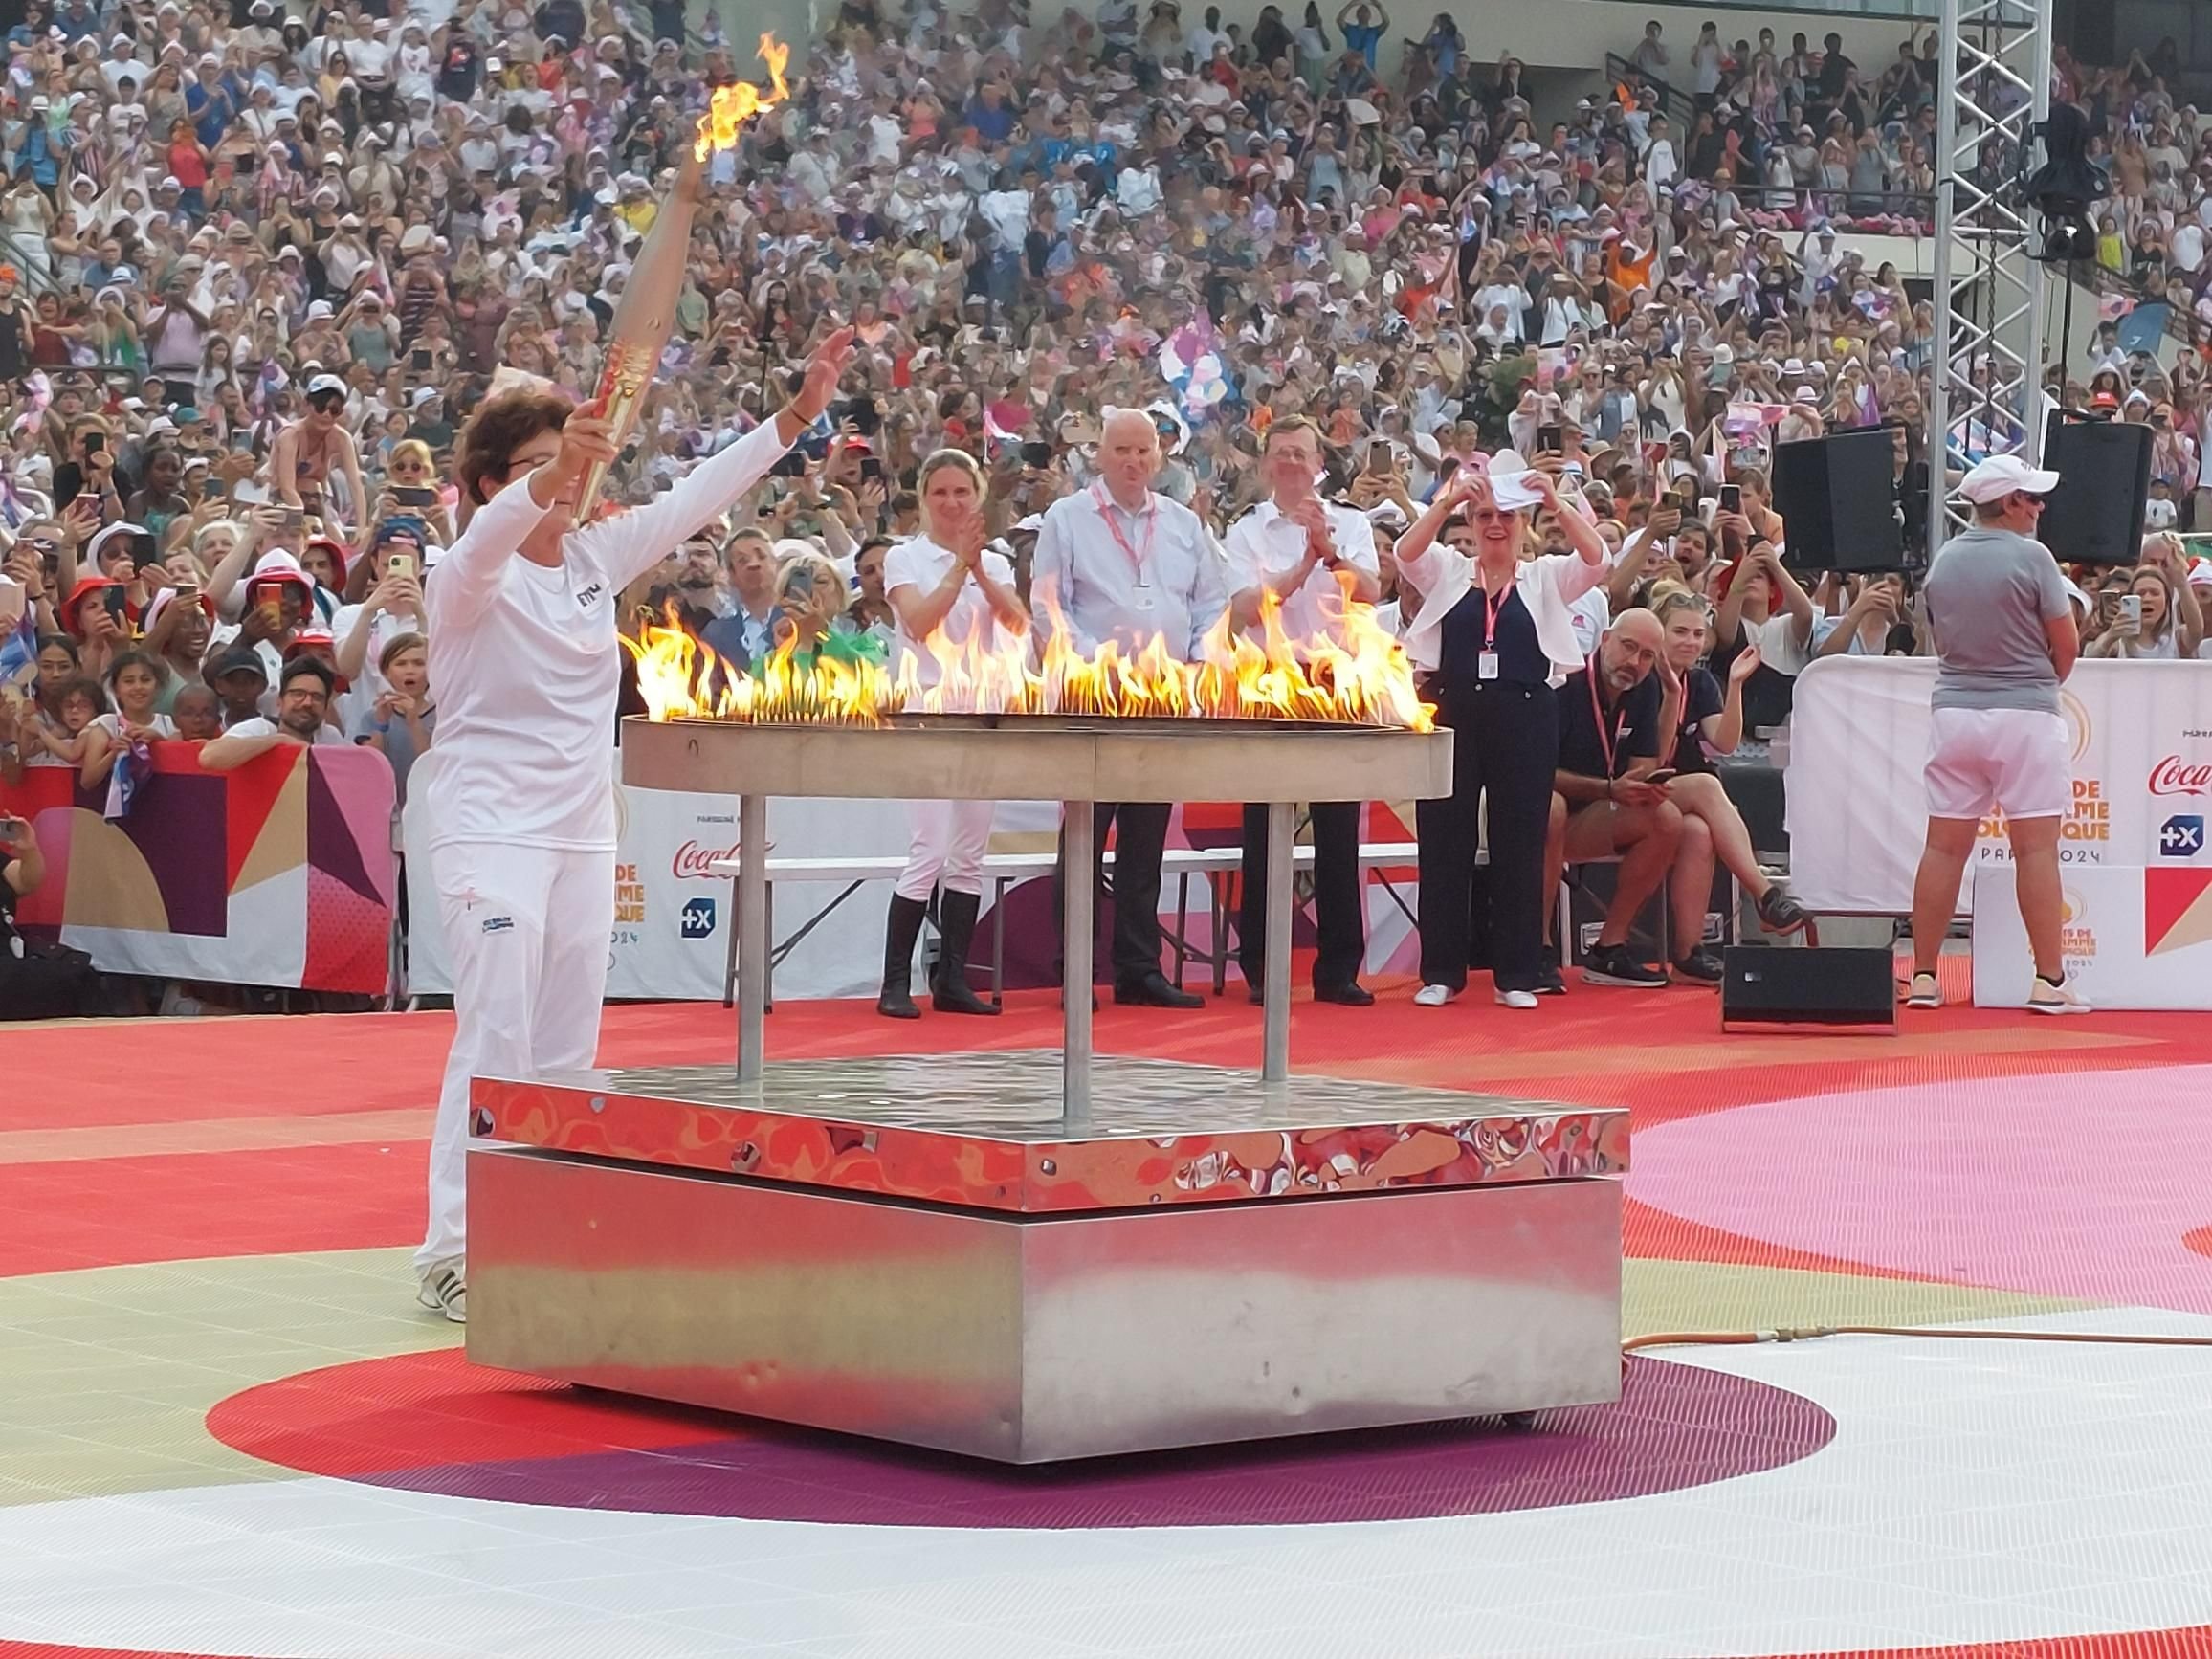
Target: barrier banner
2131, 938
278, 873
671, 937
2140, 736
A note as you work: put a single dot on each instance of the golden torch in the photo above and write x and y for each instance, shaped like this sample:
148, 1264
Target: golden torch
647, 309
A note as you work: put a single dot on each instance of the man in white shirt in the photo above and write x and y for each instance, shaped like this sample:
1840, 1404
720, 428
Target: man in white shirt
1314, 558
302, 707
519, 794
1119, 562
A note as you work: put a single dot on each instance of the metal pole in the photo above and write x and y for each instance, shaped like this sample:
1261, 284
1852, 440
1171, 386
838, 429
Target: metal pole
1080, 894
1276, 965
752, 935
1946, 159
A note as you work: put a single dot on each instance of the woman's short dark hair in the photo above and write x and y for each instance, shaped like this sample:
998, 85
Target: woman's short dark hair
500, 427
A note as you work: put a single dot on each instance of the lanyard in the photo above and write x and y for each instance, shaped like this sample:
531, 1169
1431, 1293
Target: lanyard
1492, 610
1607, 740
1136, 556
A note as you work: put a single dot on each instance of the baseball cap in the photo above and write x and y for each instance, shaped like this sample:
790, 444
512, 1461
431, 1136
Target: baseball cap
2002, 476
238, 659
323, 382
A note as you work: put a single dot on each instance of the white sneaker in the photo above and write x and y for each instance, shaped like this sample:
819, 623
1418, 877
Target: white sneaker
2046, 998
1924, 993
1433, 996
1514, 999
445, 1290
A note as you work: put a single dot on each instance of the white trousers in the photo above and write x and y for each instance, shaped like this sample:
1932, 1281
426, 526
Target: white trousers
528, 931
951, 838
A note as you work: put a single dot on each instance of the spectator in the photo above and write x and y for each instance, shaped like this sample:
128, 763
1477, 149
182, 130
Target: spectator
303, 696
1611, 729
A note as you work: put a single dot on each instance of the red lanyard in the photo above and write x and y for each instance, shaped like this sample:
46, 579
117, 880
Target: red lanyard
1607, 740
1136, 557
1492, 610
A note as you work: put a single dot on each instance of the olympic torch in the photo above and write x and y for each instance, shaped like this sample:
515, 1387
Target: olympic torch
647, 309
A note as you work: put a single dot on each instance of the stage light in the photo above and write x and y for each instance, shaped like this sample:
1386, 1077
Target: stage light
2065, 185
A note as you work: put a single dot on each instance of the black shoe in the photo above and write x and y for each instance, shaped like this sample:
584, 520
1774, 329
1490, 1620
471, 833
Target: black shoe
950, 992
1612, 964
1153, 991
1351, 994
1780, 912
1550, 982
900, 929
1700, 967
1254, 995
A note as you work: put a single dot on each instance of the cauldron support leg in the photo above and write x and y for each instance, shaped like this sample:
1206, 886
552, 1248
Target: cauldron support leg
753, 927
1276, 965
1079, 886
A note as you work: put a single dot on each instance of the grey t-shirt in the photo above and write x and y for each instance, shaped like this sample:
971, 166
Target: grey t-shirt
1989, 594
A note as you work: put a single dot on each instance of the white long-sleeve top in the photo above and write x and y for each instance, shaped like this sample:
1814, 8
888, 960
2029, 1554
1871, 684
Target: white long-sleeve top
526, 663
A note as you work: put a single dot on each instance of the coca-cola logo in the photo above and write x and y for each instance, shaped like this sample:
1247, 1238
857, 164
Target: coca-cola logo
692, 861
2175, 776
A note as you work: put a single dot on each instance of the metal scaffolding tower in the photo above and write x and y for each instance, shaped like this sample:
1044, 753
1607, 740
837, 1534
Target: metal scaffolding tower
1985, 373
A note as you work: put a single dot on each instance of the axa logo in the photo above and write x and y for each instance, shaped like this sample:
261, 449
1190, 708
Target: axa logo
2175, 776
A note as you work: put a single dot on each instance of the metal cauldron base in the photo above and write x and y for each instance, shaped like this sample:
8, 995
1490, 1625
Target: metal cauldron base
1212, 1260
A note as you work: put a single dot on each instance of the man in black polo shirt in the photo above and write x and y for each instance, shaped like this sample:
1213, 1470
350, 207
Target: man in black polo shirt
1603, 803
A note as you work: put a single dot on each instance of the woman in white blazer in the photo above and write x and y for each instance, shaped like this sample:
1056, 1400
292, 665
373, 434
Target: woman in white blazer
1494, 635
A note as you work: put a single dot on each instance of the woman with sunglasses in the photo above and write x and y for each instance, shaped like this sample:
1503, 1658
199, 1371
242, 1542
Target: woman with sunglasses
1494, 636
518, 797
310, 454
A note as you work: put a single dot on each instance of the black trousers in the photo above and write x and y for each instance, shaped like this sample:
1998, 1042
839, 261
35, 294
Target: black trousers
1337, 914
1140, 842
1505, 744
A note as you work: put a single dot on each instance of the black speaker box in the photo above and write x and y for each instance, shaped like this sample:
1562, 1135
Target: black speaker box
1838, 501
1763, 988
2096, 516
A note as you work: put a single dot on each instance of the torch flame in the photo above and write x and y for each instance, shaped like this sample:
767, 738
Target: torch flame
1361, 678
739, 102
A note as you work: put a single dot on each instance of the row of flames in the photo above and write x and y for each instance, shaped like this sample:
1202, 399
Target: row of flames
1363, 679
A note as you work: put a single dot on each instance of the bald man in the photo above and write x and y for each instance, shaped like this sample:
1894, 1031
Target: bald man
1603, 801
1119, 562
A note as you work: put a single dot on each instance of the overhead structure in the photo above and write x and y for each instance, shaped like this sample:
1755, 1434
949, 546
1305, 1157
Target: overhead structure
1983, 391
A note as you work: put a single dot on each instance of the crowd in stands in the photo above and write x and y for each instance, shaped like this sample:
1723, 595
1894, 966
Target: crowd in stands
262, 259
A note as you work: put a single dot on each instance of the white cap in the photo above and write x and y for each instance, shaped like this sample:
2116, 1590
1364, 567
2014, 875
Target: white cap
2001, 476
323, 382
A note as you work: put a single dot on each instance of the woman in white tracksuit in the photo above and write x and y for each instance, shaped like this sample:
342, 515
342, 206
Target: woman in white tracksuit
519, 795
944, 582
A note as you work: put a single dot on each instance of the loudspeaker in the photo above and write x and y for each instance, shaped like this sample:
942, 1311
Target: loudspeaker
1838, 501
1762, 987
2096, 514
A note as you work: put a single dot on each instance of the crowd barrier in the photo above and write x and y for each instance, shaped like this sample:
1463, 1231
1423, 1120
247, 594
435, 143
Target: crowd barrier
278, 873
671, 940
2140, 732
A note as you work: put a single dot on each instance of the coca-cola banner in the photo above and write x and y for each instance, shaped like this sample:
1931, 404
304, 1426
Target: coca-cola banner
671, 918
2140, 734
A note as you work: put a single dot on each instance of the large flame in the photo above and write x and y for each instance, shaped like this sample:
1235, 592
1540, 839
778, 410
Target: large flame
741, 100
1364, 678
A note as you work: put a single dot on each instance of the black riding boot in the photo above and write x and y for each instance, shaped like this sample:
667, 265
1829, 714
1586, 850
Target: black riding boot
899, 932
950, 992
